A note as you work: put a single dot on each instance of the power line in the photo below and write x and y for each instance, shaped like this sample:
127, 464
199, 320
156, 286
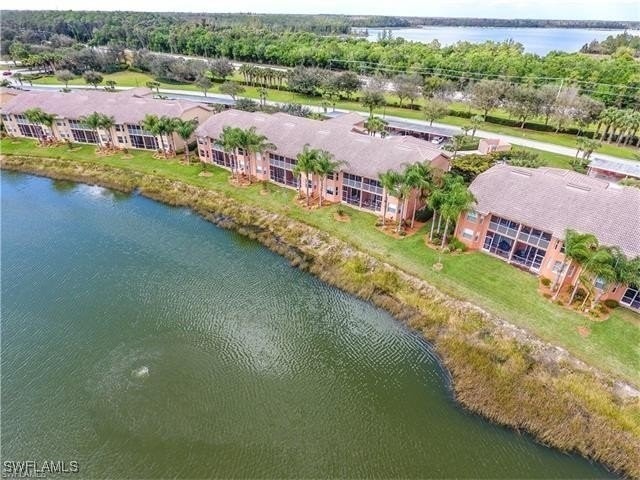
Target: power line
470, 75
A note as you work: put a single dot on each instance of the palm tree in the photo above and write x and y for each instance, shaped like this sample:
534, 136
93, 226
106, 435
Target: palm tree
577, 248
388, 180
166, 126
252, 143
36, 116
230, 139
375, 125
435, 202
401, 191
599, 264
306, 163
94, 122
107, 123
457, 199
150, 123
324, 166
262, 92
420, 177
627, 271
476, 120
184, 129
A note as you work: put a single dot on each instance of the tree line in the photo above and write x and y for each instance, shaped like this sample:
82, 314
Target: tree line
614, 79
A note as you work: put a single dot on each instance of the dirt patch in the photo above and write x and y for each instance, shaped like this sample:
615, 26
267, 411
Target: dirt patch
341, 218
584, 331
205, 174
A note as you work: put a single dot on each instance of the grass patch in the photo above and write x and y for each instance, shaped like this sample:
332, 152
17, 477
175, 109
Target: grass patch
613, 346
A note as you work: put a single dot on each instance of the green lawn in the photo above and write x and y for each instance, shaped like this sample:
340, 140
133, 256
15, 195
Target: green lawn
134, 79
613, 345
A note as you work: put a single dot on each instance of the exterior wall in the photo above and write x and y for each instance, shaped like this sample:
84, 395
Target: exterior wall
61, 130
491, 145
605, 174
472, 228
333, 187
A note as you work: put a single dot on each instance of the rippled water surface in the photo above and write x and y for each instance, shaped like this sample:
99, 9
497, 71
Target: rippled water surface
142, 341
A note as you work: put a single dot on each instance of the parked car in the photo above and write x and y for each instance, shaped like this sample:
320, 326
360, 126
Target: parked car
437, 140
7, 73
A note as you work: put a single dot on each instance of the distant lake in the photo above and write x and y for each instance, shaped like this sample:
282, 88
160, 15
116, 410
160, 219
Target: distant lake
535, 40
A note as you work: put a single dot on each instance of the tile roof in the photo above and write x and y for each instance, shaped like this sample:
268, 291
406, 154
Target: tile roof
126, 106
554, 200
623, 167
363, 154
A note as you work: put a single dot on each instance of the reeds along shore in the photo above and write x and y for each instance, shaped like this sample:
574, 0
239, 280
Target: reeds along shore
498, 371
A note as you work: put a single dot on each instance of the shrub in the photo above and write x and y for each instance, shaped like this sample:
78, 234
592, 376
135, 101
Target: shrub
546, 295
611, 303
581, 294
545, 281
340, 211
424, 214
455, 244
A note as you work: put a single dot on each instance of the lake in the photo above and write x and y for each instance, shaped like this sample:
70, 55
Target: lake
144, 342
534, 40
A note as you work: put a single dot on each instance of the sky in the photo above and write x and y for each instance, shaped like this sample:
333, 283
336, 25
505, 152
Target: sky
552, 9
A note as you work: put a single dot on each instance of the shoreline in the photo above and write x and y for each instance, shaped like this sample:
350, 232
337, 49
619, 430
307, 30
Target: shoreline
497, 370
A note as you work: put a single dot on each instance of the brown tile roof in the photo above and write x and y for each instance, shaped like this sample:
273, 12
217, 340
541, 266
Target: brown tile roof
126, 106
363, 154
554, 200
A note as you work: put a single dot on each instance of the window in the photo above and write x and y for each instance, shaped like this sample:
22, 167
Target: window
558, 267
467, 233
331, 176
600, 283
472, 216
631, 297
330, 191
120, 139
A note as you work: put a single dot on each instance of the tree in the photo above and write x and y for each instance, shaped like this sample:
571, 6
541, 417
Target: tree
167, 126
204, 83
434, 87
577, 248
347, 83
251, 143
39, 117
587, 146
400, 190
324, 166
151, 123
523, 102
565, 107
111, 85
184, 129
470, 166
221, 68
388, 181
94, 122
547, 95
407, 86
306, 80
487, 95
419, 177
106, 123
154, 85
435, 109
306, 164
476, 120
599, 264
262, 92
65, 76
230, 140
92, 78
375, 125
233, 89
457, 199
371, 99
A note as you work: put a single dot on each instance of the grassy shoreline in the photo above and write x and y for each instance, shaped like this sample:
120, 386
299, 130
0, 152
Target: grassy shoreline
612, 346
498, 371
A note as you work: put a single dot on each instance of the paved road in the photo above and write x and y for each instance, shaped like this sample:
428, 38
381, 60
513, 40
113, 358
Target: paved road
225, 99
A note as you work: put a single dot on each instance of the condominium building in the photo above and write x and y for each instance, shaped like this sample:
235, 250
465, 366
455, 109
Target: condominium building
521, 216
127, 108
363, 157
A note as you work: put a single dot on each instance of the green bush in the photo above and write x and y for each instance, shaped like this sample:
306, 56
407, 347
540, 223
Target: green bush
455, 244
424, 214
545, 281
611, 303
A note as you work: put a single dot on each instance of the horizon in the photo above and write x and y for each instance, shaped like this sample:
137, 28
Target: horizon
570, 10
